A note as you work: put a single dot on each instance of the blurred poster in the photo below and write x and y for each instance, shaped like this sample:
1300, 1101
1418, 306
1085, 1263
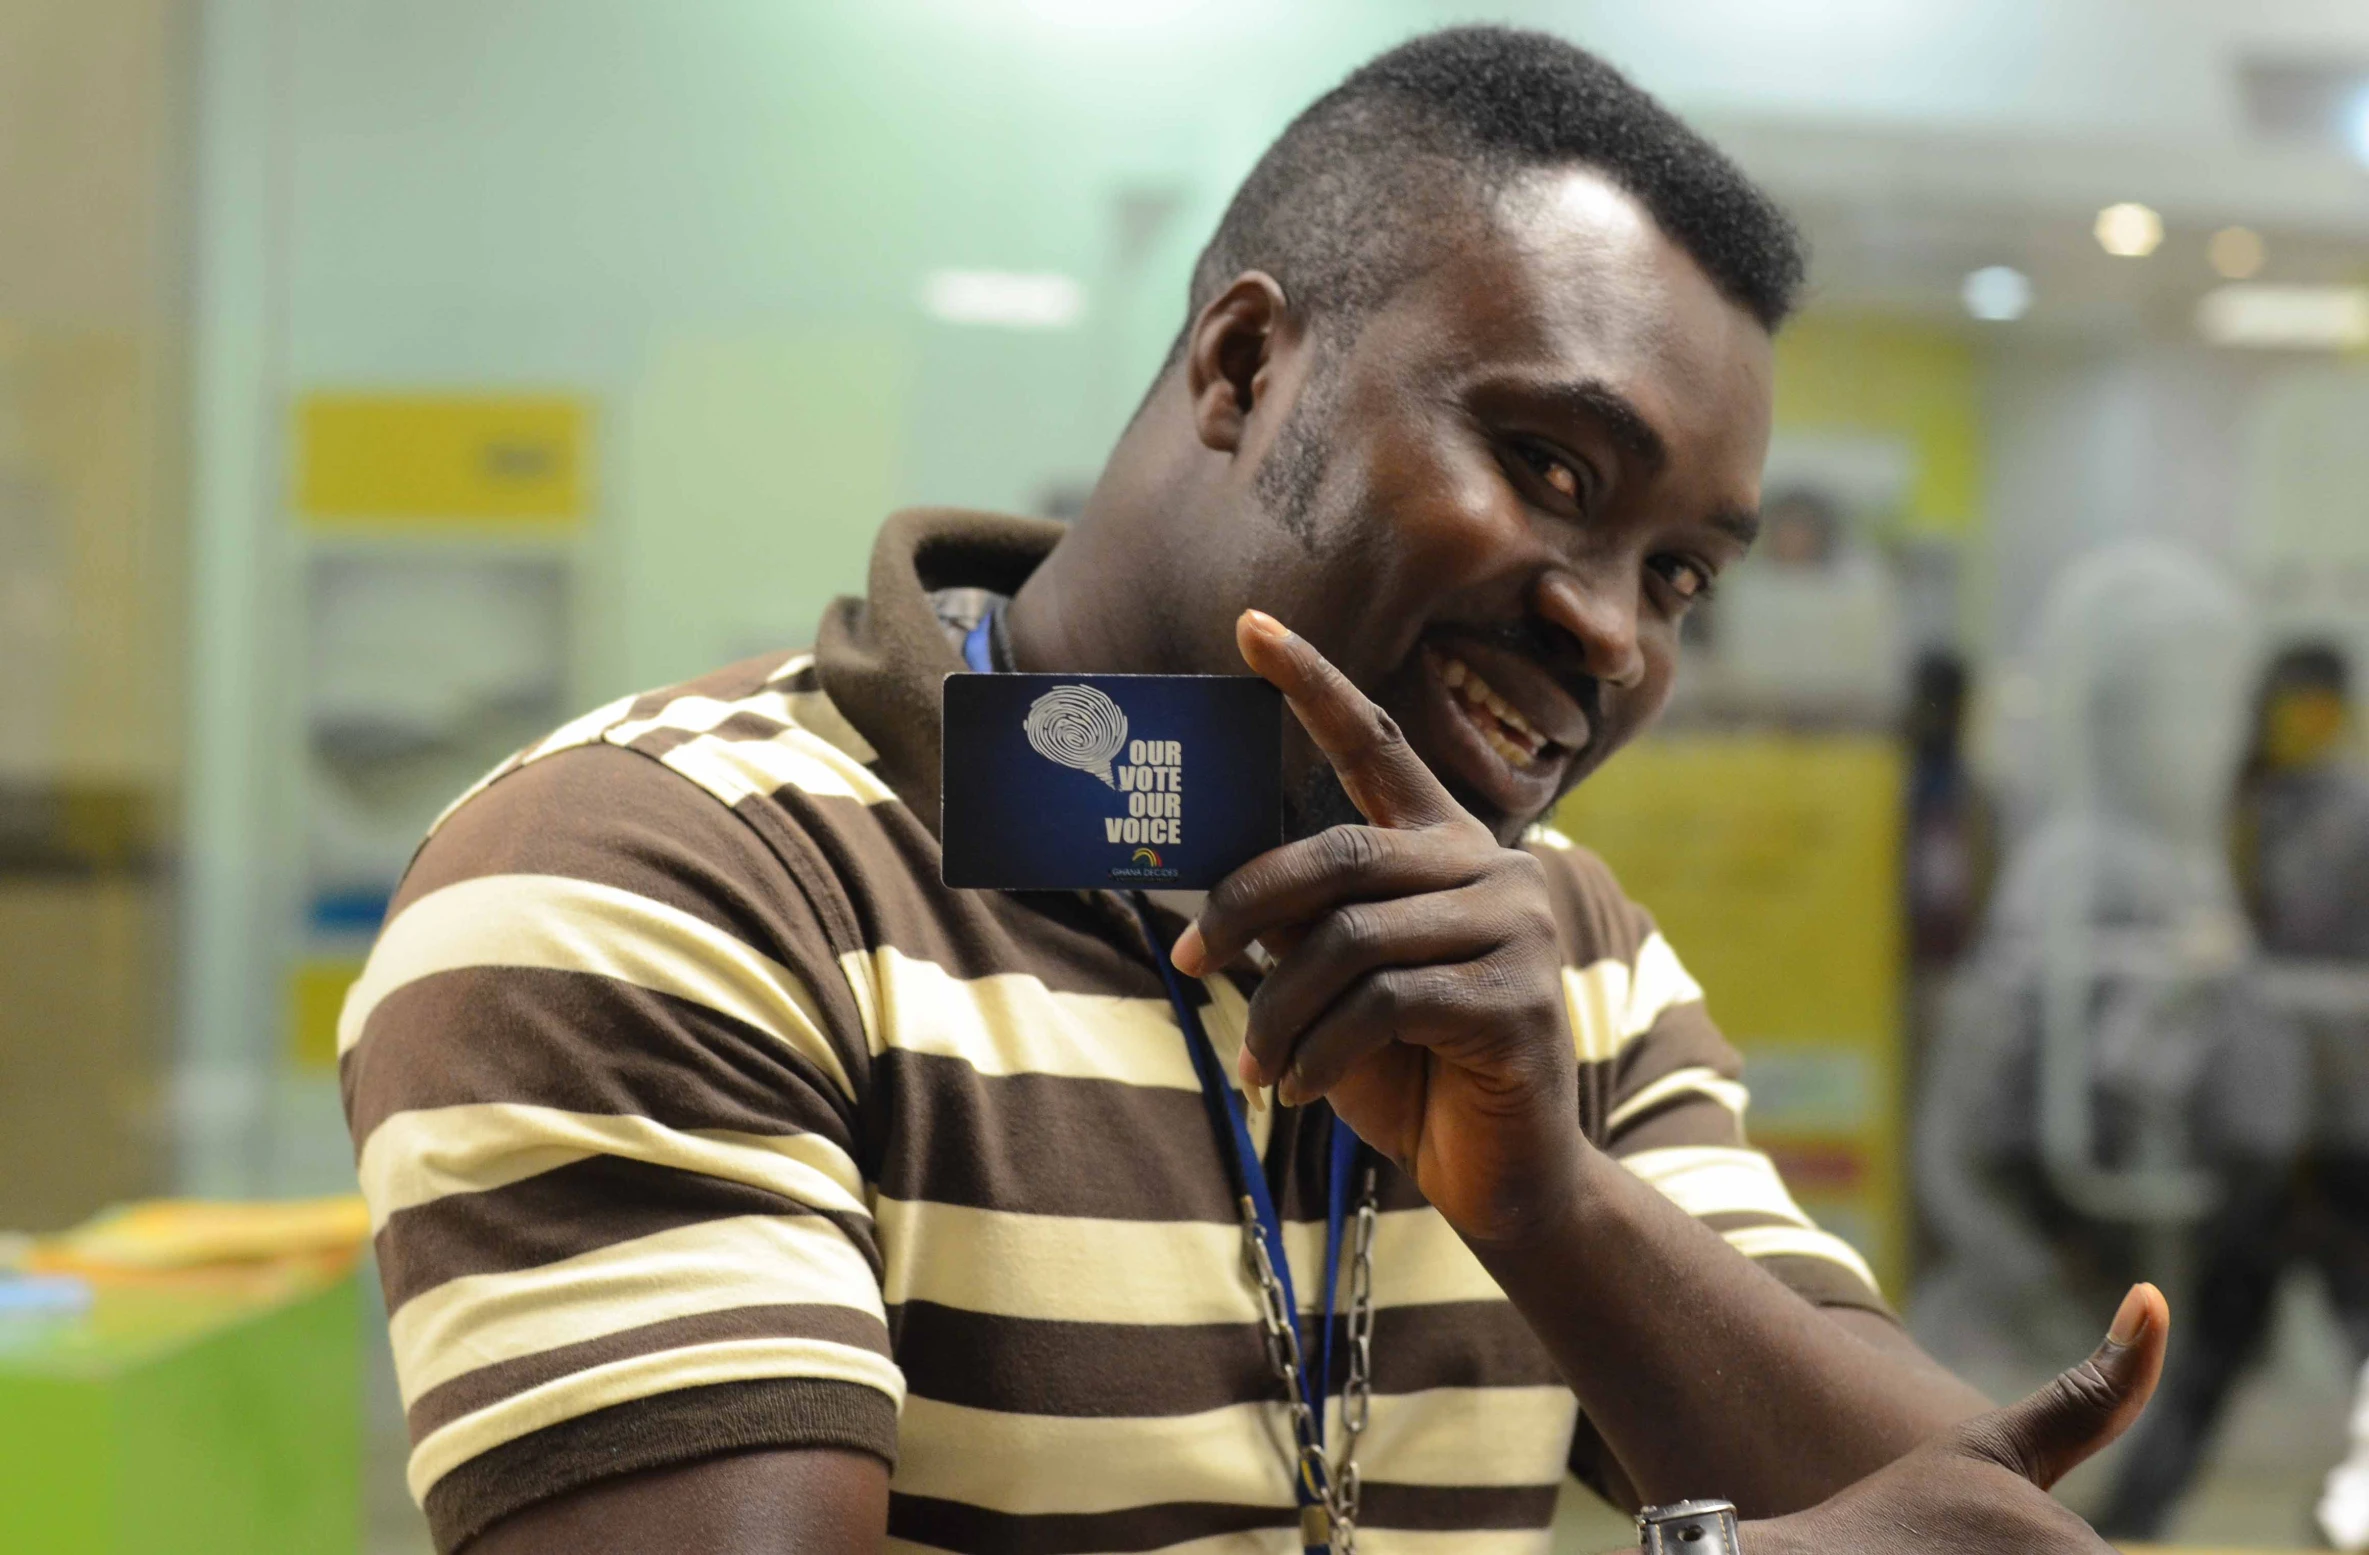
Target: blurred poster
1771, 863
424, 671
1811, 628
442, 533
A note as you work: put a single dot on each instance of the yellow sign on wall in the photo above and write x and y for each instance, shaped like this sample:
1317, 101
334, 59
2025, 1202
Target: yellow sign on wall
1921, 384
1771, 863
442, 459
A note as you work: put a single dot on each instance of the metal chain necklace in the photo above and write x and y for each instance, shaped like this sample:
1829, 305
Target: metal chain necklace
1325, 1484
1330, 1477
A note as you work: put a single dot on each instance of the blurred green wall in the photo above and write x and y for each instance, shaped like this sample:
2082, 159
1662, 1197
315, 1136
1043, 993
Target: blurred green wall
716, 220
711, 225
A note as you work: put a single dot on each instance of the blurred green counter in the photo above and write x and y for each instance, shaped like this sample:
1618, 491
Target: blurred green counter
190, 1413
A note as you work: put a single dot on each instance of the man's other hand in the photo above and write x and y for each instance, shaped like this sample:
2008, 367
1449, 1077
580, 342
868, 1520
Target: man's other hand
1418, 985
1981, 1489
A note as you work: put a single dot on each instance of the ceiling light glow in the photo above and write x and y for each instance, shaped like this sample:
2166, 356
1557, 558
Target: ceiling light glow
1003, 299
2129, 230
2290, 318
2356, 125
2236, 252
1997, 293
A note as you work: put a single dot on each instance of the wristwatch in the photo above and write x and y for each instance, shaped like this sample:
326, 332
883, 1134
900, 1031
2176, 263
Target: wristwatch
1688, 1528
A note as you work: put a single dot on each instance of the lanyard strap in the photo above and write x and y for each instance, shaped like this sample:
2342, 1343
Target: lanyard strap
1250, 1182
975, 650
1217, 1095
1344, 1153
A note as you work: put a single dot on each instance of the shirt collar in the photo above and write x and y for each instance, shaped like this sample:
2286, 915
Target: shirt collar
881, 658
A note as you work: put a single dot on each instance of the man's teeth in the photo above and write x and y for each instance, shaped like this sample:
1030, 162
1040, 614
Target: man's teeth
1512, 737
1508, 749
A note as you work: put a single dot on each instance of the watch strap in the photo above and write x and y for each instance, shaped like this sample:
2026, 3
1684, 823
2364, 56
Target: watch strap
1688, 1528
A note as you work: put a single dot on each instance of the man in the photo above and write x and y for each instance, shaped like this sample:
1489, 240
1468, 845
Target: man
743, 1188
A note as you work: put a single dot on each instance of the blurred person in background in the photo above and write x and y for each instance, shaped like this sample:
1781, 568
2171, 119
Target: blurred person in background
745, 1188
1945, 850
2302, 813
2300, 837
2108, 1068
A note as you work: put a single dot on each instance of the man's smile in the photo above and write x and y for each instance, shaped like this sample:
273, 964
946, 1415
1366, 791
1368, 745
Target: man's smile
1495, 722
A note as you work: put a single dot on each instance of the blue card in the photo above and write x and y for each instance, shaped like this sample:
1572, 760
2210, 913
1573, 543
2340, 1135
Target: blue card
1108, 782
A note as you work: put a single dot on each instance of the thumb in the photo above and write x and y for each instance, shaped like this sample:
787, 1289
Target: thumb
2044, 1437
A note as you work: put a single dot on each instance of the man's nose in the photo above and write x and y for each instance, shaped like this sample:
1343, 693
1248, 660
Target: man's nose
1601, 618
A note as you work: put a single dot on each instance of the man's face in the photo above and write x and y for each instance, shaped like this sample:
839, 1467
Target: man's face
1493, 507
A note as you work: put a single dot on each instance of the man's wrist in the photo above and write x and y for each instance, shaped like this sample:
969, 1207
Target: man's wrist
1556, 1203
1769, 1536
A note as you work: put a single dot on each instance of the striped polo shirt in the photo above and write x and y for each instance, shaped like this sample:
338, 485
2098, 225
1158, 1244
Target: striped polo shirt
695, 1115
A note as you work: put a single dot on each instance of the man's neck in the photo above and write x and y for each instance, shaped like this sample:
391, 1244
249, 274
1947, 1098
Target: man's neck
1107, 599
1079, 611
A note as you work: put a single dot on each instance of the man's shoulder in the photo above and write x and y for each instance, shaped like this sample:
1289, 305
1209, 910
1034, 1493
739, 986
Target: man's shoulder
750, 729
1597, 918
749, 772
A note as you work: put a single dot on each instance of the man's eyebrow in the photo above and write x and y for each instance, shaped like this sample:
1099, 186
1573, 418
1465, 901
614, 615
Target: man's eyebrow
1619, 415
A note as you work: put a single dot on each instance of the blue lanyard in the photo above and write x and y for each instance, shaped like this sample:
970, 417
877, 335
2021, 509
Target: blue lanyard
1226, 1116
1250, 1174
975, 651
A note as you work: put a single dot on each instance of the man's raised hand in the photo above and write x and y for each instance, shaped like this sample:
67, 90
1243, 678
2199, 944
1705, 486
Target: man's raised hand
1418, 984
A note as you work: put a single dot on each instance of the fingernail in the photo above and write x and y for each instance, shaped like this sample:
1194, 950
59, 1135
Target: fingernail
1188, 954
2130, 1319
1246, 1069
1287, 1090
1266, 625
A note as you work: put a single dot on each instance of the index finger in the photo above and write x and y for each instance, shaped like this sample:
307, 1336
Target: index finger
1384, 777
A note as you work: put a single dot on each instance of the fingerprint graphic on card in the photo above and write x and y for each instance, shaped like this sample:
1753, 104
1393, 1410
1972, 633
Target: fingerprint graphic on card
1079, 727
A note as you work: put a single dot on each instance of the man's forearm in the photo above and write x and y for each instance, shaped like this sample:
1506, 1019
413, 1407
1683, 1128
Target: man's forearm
1705, 1375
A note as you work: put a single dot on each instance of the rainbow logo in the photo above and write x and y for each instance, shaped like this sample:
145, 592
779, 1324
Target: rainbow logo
1146, 857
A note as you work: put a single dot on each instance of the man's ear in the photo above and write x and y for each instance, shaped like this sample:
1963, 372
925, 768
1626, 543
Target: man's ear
1231, 355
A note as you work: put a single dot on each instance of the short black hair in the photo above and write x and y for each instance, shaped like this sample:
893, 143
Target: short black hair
1336, 210
2310, 665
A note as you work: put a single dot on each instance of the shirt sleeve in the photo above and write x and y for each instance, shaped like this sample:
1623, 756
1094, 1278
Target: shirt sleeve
604, 1079
1662, 1091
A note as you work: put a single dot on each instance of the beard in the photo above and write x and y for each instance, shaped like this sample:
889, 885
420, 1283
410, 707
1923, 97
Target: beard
1291, 476
1287, 485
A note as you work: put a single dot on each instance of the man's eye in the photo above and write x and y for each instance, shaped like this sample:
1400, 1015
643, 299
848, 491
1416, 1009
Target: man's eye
1691, 580
1552, 469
